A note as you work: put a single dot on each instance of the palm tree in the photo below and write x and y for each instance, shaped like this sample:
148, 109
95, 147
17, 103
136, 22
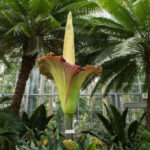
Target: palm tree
126, 53
32, 27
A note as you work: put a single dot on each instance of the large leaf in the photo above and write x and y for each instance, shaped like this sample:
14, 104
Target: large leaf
118, 122
106, 123
48, 119
133, 129
25, 119
38, 119
124, 117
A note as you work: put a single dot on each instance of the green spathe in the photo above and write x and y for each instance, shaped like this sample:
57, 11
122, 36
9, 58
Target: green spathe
68, 79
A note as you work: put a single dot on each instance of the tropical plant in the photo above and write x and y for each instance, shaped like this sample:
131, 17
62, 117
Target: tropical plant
125, 54
28, 27
76, 144
38, 121
10, 127
34, 128
56, 144
122, 134
25, 131
86, 144
28, 141
144, 143
68, 76
52, 142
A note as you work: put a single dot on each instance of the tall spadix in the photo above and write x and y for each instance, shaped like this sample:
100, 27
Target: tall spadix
68, 48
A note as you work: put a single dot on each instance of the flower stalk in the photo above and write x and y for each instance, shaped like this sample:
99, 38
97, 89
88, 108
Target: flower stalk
68, 122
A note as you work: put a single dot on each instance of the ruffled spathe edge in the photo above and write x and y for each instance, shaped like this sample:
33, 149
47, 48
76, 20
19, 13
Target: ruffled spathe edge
68, 78
94, 70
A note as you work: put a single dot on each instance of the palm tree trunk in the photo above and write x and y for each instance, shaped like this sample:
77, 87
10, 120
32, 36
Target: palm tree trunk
148, 105
26, 66
147, 65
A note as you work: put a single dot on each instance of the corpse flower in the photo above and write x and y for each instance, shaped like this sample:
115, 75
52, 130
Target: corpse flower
67, 76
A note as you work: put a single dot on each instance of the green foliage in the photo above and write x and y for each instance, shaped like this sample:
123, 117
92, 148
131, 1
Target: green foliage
124, 53
38, 121
121, 134
10, 127
13, 133
26, 130
120, 13
55, 143
114, 76
144, 135
32, 27
35, 128
22, 22
86, 144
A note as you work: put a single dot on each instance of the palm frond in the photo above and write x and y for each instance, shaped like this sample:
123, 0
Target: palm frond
106, 21
18, 6
118, 80
80, 7
129, 45
142, 12
114, 32
112, 68
126, 77
19, 28
92, 26
87, 82
130, 81
95, 55
120, 13
38, 6
47, 18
